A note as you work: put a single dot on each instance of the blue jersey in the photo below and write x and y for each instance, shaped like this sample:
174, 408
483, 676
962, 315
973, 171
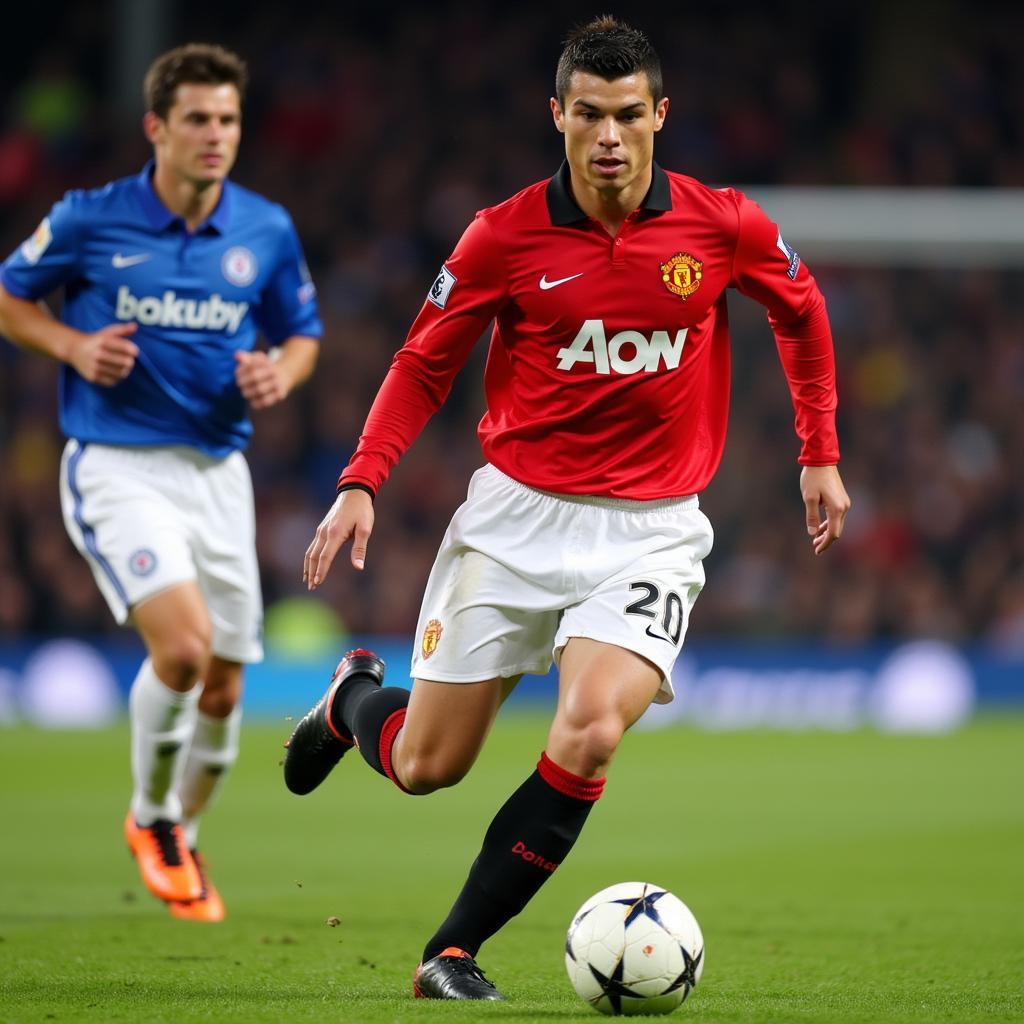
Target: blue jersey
197, 297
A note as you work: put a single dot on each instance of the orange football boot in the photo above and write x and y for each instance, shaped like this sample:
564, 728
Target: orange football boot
209, 906
167, 869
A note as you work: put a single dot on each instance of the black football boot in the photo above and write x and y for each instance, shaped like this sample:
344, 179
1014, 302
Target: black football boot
452, 974
317, 745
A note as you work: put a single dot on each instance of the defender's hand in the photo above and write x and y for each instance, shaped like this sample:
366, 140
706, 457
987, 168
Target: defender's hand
822, 487
350, 517
260, 379
106, 357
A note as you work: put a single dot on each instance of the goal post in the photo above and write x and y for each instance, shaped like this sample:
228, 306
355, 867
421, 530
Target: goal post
912, 227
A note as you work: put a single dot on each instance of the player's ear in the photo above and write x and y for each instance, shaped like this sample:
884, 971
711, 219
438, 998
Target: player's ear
660, 110
558, 115
151, 126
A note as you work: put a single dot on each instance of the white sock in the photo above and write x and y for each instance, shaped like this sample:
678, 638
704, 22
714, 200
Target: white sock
162, 722
214, 750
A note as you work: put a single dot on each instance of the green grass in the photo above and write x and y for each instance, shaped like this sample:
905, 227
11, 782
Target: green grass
853, 878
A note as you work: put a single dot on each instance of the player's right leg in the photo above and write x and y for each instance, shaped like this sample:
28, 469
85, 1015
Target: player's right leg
321, 738
443, 731
122, 510
423, 741
482, 625
474, 645
406, 737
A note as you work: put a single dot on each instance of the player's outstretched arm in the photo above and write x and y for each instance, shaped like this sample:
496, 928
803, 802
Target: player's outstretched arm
350, 517
266, 378
822, 488
104, 357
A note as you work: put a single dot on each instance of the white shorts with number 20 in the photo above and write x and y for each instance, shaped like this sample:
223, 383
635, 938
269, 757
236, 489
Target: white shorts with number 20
521, 571
146, 519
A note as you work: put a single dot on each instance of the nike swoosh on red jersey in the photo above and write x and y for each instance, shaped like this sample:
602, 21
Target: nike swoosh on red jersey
545, 284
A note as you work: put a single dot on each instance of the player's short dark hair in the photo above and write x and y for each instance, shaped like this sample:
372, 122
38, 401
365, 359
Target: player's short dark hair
193, 63
610, 49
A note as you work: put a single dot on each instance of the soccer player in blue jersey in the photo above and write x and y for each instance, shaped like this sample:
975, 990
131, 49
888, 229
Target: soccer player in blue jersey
169, 278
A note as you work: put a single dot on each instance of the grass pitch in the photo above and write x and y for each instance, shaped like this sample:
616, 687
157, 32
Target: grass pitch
847, 878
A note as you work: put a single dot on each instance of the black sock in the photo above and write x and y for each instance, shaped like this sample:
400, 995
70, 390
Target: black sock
527, 840
349, 695
373, 715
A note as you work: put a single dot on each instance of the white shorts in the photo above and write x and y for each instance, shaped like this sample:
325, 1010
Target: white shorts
520, 571
146, 519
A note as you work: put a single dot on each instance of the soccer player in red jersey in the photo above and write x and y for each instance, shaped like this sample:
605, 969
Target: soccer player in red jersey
581, 540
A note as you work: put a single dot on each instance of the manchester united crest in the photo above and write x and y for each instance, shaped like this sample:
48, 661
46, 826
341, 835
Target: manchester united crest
682, 274
431, 635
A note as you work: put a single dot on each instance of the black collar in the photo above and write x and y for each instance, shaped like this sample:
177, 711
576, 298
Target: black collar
563, 210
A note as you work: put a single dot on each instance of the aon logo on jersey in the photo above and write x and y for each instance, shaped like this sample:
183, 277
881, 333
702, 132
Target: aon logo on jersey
212, 314
625, 352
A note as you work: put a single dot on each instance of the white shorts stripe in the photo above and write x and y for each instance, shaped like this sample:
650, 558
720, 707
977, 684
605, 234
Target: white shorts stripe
88, 534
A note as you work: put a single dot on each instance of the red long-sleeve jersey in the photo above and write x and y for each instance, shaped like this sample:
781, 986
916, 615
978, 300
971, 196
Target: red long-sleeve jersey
608, 369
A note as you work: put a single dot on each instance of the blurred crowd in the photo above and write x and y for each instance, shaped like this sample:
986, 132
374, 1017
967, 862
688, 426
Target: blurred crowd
383, 132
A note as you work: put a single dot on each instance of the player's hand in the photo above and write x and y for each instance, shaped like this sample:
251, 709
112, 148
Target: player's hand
260, 379
350, 517
822, 488
107, 356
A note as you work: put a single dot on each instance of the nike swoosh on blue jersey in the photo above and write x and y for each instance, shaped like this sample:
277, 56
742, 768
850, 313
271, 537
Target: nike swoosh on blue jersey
120, 262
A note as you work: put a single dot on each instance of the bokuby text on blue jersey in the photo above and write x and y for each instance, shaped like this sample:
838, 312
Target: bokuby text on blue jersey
213, 314
121, 255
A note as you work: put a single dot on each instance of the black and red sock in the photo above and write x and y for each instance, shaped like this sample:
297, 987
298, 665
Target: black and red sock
372, 715
527, 840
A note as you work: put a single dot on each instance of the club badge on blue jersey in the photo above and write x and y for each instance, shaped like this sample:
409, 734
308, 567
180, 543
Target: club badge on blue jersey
239, 266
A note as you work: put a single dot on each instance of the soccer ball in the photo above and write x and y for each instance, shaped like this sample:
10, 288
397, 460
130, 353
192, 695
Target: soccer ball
634, 948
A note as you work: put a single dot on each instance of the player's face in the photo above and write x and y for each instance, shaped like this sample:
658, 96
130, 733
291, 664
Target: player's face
198, 140
609, 129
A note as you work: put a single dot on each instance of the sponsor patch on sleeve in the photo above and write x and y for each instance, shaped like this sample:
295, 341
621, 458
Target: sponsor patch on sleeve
791, 255
33, 248
307, 290
441, 288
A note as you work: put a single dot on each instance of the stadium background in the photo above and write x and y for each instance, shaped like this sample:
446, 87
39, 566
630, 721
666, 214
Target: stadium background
382, 130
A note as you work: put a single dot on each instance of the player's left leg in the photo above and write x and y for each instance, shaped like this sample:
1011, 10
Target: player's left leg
214, 747
604, 687
603, 690
213, 751
223, 547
